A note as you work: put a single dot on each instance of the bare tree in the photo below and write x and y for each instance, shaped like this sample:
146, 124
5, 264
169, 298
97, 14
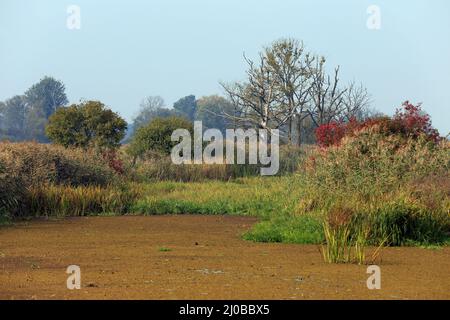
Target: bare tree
256, 98
152, 103
327, 97
291, 67
288, 86
356, 103
150, 107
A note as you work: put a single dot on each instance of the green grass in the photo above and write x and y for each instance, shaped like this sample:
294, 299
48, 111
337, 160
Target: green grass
163, 249
287, 229
262, 197
273, 199
5, 221
289, 211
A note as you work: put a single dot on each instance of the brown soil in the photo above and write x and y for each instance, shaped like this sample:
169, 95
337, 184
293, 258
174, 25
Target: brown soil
122, 258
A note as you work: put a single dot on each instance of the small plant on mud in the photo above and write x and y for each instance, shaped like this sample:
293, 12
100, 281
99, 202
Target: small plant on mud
346, 237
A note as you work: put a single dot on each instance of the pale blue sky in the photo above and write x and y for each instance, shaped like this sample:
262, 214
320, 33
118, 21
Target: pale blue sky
127, 50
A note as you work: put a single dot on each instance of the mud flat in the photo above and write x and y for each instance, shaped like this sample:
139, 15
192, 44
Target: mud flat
196, 257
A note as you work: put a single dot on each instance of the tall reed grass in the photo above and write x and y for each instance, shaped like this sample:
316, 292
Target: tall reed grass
63, 201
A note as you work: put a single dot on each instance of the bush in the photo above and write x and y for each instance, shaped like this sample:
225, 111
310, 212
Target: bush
410, 121
401, 223
156, 136
89, 124
389, 179
371, 164
11, 194
37, 164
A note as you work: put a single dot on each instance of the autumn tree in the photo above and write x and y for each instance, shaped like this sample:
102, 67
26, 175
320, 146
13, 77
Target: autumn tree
88, 124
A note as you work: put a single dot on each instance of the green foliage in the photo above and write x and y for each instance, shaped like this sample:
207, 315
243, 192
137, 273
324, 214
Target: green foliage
301, 229
156, 136
23, 117
43, 99
187, 107
89, 124
47, 95
152, 107
211, 110
346, 236
13, 118
263, 197
401, 223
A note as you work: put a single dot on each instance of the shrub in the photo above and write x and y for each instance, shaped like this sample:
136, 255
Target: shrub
11, 194
415, 122
37, 164
156, 136
89, 124
111, 157
330, 134
410, 121
382, 177
370, 163
400, 223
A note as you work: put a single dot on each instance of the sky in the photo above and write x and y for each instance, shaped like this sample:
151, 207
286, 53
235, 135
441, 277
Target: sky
127, 50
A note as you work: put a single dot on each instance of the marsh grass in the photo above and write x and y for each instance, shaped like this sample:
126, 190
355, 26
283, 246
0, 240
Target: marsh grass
63, 201
262, 197
301, 229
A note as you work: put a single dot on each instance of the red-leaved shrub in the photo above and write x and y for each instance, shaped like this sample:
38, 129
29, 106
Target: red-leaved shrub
409, 121
330, 134
416, 122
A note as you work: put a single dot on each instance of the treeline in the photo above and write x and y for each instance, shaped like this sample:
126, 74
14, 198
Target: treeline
287, 88
24, 117
290, 89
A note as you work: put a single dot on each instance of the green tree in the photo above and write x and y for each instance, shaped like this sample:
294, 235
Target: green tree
89, 124
215, 111
187, 107
3, 133
42, 100
13, 115
156, 136
47, 95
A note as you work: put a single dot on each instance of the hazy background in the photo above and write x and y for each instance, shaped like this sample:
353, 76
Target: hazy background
127, 50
